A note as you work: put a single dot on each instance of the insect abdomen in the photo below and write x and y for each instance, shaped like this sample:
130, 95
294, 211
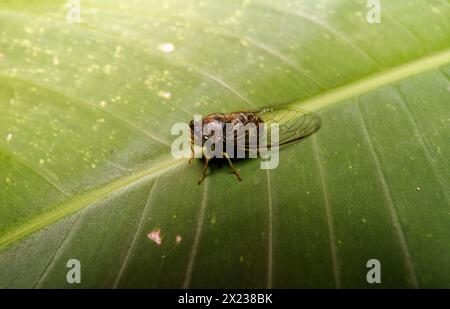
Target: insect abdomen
243, 118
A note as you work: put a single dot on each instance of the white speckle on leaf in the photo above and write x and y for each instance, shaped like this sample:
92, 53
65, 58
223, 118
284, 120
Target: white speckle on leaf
435, 10
418, 189
164, 94
41, 161
55, 60
117, 51
178, 239
2, 56
155, 236
8, 137
25, 43
102, 103
166, 47
107, 68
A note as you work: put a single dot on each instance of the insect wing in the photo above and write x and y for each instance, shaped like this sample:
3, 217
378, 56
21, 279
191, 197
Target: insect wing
293, 123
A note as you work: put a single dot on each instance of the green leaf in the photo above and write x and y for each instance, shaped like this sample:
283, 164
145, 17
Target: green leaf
86, 170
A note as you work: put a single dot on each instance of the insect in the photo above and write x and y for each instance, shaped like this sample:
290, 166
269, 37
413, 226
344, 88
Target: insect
293, 123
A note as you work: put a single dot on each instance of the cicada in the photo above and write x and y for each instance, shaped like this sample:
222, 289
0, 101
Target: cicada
220, 128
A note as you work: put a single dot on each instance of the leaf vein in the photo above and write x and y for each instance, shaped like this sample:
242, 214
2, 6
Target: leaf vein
59, 93
419, 136
270, 241
132, 246
388, 197
58, 252
331, 231
198, 233
36, 171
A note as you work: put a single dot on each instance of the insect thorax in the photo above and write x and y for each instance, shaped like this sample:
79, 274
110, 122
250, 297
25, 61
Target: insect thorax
218, 122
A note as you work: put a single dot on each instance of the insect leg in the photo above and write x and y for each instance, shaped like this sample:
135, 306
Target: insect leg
231, 166
192, 152
205, 168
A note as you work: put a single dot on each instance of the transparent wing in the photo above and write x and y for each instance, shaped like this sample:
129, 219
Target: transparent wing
293, 124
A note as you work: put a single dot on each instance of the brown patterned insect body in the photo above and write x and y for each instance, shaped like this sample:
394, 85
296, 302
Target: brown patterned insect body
220, 128
218, 121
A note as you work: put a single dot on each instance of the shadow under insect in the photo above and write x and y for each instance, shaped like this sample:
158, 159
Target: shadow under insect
221, 164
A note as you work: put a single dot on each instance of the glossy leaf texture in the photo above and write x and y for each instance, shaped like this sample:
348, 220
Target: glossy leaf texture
86, 170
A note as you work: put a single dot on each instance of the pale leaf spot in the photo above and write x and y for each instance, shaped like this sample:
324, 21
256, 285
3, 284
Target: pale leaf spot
155, 236
164, 94
166, 47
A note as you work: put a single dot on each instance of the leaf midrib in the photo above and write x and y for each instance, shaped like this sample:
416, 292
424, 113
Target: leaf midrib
388, 76
84, 200
316, 103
